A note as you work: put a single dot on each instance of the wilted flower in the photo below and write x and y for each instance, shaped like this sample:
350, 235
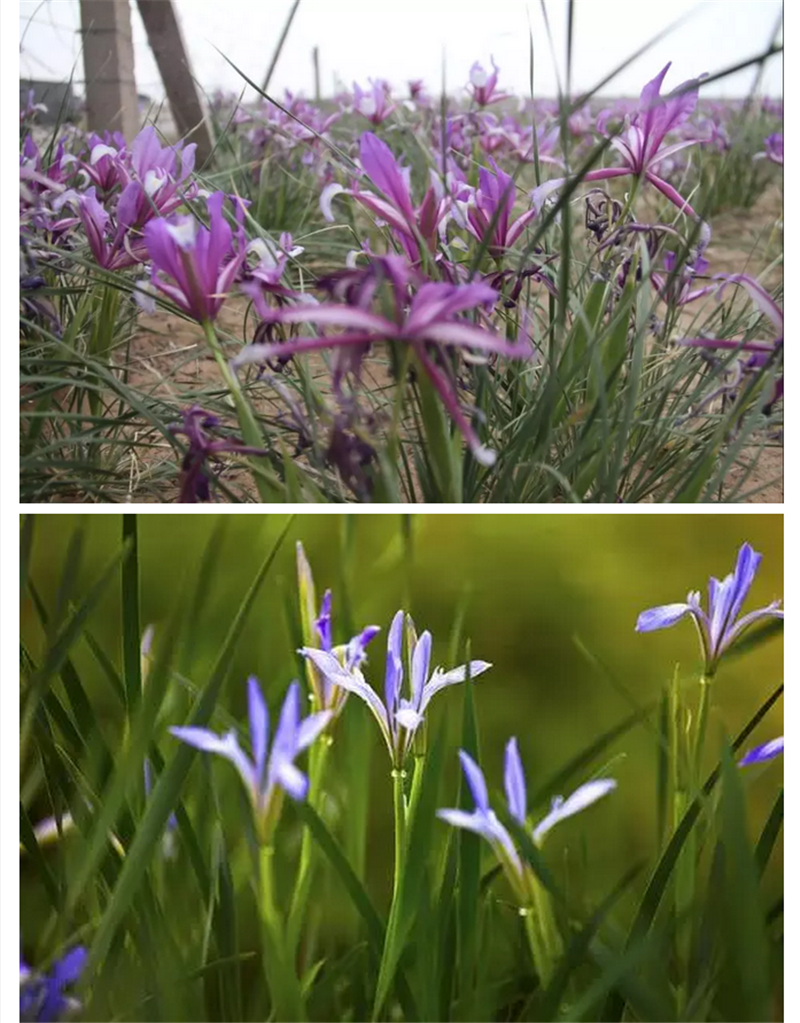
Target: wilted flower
272, 770
721, 626
41, 996
676, 288
484, 821
194, 473
398, 717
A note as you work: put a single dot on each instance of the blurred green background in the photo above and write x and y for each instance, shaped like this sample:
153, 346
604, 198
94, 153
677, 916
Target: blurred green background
527, 588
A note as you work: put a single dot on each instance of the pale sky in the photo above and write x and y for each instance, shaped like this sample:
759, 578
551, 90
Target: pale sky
361, 39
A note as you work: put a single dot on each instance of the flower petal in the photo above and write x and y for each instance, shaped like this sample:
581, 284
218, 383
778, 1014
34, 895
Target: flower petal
353, 681
285, 741
259, 725
382, 169
467, 335
225, 745
661, 617
440, 679
407, 717
760, 754
744, 575
290, 778
420, 664
394, 662
475, 780
326, 198
579, 800
514, 779
475, 821
772, 610
69, 969
311, 727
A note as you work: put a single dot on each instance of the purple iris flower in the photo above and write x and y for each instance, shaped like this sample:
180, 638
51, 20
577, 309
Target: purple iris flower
374, 103
351, 655
398, 717
721, 626
483, 87
114, 247
429, 318
202, 445
202, 262
641, 144
41, 996
272, 770
395, 205
766, 751
105, 167
493, 201
484, 821
155, 184
354, 652
773, 149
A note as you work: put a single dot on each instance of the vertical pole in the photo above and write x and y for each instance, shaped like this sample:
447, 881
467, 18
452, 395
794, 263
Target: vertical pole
166, 41
108, 66
316, 73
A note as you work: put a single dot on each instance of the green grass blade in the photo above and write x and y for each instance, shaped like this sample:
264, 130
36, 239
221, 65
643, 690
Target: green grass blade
747, 938
165, 795
131, 625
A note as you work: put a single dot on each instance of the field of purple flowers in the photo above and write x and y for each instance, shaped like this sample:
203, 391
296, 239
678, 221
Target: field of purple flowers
402, 296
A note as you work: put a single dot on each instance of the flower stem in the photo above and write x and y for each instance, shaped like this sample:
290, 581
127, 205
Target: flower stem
702, 726
317, 759
535, 941
268, 491
398, 779
543, 936
287, 999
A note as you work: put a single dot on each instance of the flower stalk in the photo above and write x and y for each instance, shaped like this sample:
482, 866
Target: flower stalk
399, 796
267, 491
287, 999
